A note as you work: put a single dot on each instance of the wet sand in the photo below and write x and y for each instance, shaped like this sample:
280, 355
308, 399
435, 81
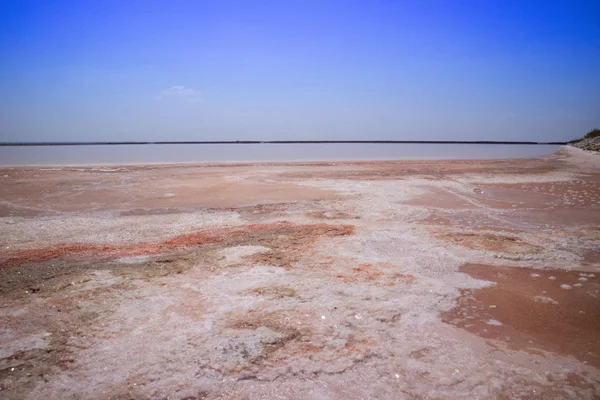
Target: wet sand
387, 279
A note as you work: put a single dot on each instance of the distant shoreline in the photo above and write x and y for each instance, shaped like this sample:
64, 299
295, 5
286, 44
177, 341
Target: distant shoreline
492, 142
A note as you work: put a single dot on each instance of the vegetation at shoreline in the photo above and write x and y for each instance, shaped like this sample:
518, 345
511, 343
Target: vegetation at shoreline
590, 142
594, 133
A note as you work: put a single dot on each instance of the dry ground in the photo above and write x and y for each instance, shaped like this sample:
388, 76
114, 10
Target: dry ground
387, 280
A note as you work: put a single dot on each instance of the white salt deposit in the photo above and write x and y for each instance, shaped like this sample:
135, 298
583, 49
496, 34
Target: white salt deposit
214, 331
237, 254
106, 228
545, 299
133, 259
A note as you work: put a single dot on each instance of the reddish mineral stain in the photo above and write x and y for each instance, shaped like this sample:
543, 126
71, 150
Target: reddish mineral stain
311, 232
534, 311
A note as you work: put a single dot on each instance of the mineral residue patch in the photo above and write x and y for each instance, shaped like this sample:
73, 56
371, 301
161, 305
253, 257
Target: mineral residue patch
530, 309
303, 234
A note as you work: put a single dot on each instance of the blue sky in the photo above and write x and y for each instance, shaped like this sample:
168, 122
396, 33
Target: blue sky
306, 69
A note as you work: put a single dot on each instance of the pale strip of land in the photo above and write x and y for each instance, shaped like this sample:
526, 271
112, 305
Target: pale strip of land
343, 280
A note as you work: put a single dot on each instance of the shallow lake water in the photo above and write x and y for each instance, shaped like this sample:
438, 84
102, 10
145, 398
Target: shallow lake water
200, 153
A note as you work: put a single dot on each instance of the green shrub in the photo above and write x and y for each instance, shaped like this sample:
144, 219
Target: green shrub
592, 134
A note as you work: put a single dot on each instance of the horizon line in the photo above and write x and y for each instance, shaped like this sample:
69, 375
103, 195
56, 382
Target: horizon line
114, 143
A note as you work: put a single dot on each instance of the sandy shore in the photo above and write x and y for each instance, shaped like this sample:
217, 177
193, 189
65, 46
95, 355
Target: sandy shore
343, 280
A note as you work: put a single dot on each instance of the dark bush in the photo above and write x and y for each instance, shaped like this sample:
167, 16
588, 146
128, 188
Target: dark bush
592, 134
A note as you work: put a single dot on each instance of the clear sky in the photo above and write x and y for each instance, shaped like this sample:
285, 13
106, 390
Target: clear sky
306, 69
